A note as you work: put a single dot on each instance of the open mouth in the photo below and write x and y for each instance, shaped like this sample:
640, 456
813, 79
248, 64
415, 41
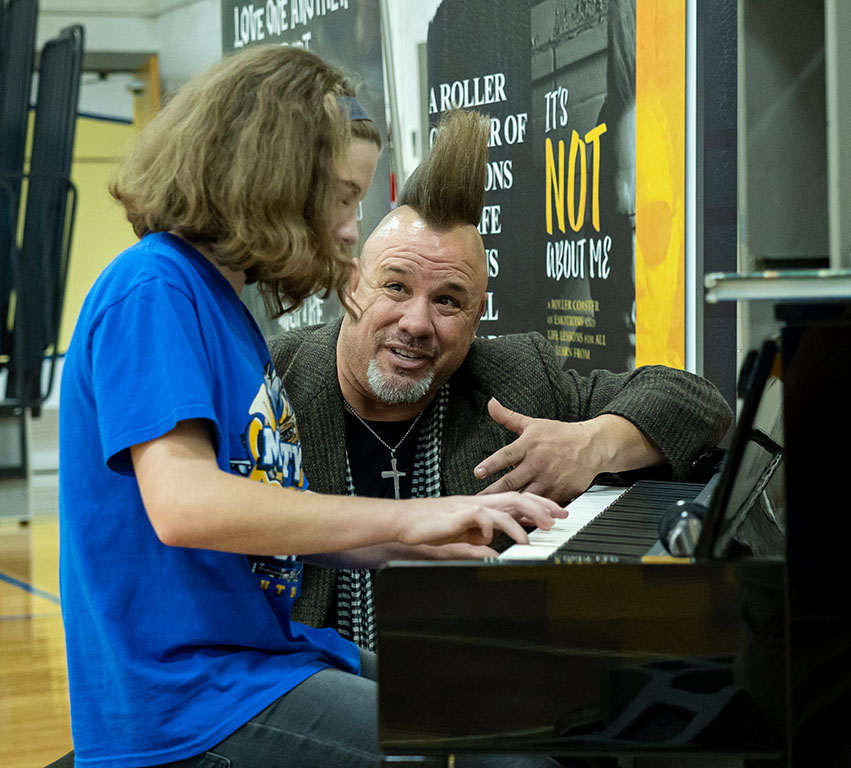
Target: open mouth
406, 357
406, 354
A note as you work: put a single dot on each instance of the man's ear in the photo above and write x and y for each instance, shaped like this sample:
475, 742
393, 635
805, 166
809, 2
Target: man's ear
481, 312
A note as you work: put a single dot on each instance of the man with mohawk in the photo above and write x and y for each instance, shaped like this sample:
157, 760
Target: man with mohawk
399, 398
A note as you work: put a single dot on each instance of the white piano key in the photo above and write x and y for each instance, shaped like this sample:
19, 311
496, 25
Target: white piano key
525, 552
581, 511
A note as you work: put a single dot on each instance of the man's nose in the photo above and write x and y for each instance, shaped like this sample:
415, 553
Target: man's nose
416, 316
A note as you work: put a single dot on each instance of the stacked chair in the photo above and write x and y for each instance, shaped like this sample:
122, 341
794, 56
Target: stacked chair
36, 204
36, 209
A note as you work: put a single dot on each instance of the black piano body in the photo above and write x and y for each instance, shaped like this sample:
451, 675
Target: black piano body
747, 657
614, 659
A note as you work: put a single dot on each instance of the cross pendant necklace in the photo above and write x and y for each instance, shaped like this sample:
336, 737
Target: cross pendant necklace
394, 471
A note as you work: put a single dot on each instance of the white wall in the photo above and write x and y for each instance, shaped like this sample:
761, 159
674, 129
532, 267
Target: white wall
123, 25
189, 39
408, 21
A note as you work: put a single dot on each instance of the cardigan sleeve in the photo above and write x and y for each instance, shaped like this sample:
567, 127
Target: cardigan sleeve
683, 414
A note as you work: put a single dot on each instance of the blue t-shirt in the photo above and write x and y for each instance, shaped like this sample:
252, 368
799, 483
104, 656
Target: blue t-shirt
171, 649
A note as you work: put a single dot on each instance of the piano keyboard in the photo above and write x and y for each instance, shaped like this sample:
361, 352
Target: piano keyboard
606, 523
580, 512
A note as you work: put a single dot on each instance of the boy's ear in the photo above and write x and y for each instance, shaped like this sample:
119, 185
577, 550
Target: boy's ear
354, 278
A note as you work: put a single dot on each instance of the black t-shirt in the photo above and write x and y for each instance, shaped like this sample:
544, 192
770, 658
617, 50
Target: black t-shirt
368, 458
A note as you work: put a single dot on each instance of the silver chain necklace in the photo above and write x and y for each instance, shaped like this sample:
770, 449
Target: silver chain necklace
393, 471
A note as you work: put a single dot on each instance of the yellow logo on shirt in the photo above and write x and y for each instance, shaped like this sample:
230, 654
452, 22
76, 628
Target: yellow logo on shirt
271, 437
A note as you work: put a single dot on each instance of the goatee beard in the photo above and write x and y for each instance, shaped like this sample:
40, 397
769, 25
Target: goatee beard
399, 390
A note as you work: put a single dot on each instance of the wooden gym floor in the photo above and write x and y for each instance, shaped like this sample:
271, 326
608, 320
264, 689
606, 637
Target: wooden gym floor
34, 718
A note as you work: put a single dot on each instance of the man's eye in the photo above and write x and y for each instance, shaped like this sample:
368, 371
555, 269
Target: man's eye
395, 287
448, 301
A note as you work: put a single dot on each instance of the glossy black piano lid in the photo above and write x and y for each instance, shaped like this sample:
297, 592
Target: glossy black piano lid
586, 659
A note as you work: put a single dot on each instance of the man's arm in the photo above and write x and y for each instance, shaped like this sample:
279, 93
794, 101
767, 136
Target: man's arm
192, 503
604, 422
559, 459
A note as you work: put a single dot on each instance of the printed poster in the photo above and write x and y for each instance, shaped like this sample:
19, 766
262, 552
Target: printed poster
583, 221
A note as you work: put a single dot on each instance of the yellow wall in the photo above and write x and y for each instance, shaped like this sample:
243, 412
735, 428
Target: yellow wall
101, 230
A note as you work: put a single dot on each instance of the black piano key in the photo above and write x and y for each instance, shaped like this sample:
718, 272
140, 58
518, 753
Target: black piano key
603, 548
629, 527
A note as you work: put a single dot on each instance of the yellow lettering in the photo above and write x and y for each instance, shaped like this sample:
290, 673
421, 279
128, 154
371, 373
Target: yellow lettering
555, 179
577, 217
576, 199
593, 137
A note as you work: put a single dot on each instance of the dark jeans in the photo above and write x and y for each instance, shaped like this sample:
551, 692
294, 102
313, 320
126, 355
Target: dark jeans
331, 719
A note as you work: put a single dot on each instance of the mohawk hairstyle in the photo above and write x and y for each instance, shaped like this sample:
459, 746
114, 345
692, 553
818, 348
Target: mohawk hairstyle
448, 187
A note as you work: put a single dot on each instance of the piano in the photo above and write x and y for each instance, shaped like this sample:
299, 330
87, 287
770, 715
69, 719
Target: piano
607, 523
739, 652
